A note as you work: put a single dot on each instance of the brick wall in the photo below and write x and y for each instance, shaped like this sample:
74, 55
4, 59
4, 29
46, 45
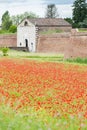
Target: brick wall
77, 46
54, 43
8, 40
72, 44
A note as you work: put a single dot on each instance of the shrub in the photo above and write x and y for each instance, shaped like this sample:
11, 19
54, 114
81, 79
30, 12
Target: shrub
5, 51
13, 29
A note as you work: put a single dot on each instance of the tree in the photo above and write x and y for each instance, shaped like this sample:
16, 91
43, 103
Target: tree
6, 21
51, 11
69, 20
16, 19
79, 11
13, 29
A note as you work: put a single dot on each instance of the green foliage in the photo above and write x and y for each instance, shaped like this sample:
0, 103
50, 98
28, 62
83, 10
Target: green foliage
5, 51
51, 11
83, 24
13, 29
79, 12
78, 60
4, 32
6, 21
16, 19
69, 20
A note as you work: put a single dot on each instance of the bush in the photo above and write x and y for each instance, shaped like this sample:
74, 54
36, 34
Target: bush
13, 29
5, 51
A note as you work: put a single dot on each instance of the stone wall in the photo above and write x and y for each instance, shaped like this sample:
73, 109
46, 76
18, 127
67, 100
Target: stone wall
8, 40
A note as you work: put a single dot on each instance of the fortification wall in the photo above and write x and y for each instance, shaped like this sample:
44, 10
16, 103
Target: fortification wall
55, 43
8, 40
77, 46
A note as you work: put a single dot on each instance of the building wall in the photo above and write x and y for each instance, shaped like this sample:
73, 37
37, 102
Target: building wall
26, 36
8, 40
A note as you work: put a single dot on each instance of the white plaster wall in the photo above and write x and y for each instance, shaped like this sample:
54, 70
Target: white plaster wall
29, 33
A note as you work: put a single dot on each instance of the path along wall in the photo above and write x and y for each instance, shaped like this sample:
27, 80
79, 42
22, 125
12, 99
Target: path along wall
8, 40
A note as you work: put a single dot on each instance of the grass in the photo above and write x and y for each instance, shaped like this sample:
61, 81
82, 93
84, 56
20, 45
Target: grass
34, 56
82, 29
44, 57
78, 60
51, 31
40, 120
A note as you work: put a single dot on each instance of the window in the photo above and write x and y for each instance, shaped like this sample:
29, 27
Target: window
26, 23
20, 43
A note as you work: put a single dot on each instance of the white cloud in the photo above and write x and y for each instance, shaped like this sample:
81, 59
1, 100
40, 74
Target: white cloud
39, 8
65, 10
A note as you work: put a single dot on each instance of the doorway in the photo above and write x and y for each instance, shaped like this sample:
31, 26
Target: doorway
26, 42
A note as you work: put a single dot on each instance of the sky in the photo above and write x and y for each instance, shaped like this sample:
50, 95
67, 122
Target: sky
38, 7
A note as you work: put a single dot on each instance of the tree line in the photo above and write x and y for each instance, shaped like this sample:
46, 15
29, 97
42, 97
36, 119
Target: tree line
78, 20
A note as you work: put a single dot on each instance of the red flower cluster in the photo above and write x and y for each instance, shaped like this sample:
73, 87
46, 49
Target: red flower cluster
55, 87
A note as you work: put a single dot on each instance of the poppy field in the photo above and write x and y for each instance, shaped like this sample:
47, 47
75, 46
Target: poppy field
54, 90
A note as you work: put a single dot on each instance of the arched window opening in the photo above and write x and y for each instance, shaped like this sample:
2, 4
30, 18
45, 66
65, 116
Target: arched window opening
26, 23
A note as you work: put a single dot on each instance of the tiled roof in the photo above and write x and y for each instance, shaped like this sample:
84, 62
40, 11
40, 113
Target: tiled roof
49, 22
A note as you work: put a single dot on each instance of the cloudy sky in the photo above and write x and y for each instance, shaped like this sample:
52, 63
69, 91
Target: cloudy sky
37, 6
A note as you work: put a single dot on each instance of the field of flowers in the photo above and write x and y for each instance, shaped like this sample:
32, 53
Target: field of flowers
58, 89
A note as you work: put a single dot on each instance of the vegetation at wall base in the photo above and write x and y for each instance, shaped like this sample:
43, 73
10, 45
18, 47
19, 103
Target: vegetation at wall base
78, 60
82, 29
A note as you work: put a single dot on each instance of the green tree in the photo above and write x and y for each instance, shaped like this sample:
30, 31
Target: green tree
51, 11
69, 20
83, 24
13, 29
6, 21
16, 19
79, 12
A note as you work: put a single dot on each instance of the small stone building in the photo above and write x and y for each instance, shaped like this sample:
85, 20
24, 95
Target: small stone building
29, 29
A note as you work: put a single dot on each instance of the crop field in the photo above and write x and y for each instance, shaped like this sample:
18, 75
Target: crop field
37, 95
